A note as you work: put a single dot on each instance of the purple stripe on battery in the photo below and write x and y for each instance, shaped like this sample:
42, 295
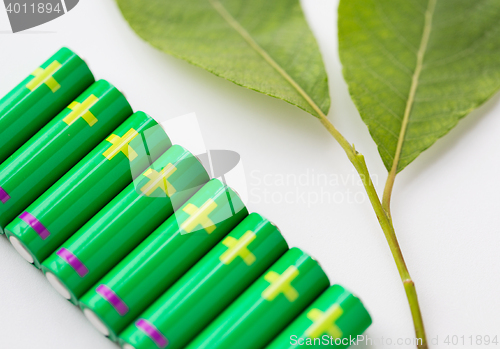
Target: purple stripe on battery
73, 260
4, 197
113, 299
152, 333
35, 224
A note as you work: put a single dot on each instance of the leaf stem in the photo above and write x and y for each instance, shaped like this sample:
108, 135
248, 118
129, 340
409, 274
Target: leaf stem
358, 161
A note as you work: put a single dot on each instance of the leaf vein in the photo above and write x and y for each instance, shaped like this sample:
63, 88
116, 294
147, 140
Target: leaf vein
431, 6
380, 78
217, 5
385, 50
374, 96
392, 27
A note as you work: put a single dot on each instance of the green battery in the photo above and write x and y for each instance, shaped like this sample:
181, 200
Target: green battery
209, 287
40, 97
124, 222
334, 319
58, 146
267, 306
163, 257
87, 187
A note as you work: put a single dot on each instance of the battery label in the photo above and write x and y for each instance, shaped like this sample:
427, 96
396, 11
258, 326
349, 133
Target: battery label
45, 76
82, 110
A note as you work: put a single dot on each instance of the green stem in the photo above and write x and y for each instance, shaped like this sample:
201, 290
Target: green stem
358, 160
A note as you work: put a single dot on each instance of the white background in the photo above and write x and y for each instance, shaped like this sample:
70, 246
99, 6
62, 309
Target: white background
445, 204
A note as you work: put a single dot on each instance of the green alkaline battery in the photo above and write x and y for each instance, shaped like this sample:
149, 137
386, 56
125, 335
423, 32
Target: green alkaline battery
87, 187
39, 97
124, 222
58, 146
267, 306
208, 288
335, 318
138, 280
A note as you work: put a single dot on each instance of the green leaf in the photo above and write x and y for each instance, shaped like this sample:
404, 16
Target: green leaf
416, 67
263, 45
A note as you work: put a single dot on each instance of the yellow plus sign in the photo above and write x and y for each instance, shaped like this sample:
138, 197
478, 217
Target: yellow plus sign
45, 76
81, 110
281, 284
324, 322
159, 180
238, 248
121, 144
199, 216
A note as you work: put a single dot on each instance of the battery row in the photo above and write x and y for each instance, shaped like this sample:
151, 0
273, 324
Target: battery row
131, 229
